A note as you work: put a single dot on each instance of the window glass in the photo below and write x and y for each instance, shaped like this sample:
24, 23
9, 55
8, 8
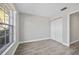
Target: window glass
6, 30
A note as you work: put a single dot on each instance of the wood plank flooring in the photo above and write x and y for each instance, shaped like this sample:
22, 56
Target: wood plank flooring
46, 47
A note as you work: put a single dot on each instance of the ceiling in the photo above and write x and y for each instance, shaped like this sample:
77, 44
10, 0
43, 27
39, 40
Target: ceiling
44, 9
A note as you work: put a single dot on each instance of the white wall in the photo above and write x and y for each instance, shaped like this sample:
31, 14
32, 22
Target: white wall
74, 27
33, 27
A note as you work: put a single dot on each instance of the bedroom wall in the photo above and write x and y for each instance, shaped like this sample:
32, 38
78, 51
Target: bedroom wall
33, 27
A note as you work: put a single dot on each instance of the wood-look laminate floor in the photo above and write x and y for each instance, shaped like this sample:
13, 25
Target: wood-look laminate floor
46, 47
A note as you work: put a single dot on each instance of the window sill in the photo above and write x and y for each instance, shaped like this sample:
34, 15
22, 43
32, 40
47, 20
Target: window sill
9, 47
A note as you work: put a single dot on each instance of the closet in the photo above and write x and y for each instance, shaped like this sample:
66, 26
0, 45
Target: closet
57, 30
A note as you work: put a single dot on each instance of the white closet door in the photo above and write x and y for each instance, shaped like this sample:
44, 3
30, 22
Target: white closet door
53, 30
57, 30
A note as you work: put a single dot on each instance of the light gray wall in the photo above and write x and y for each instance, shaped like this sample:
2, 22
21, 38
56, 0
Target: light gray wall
33, 27
74, 27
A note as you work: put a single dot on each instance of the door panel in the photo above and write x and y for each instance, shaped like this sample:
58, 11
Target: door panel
53, 30
57, 30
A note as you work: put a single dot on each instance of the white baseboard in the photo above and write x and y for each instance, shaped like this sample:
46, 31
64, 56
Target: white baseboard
68, 45
62, 43
34, 40
42, 39
74, 42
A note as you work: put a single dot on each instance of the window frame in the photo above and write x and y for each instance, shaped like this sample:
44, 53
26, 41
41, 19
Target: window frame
11, 18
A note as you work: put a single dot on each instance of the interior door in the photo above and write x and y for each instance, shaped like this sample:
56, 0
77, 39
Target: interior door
53, 32
57, 30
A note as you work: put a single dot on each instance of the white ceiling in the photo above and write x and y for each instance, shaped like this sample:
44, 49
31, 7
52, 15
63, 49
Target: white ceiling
43, 9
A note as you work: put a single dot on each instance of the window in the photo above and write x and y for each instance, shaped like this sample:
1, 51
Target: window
6, 29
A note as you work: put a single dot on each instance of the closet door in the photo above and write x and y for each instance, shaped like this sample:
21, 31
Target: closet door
57, 30
53, 30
